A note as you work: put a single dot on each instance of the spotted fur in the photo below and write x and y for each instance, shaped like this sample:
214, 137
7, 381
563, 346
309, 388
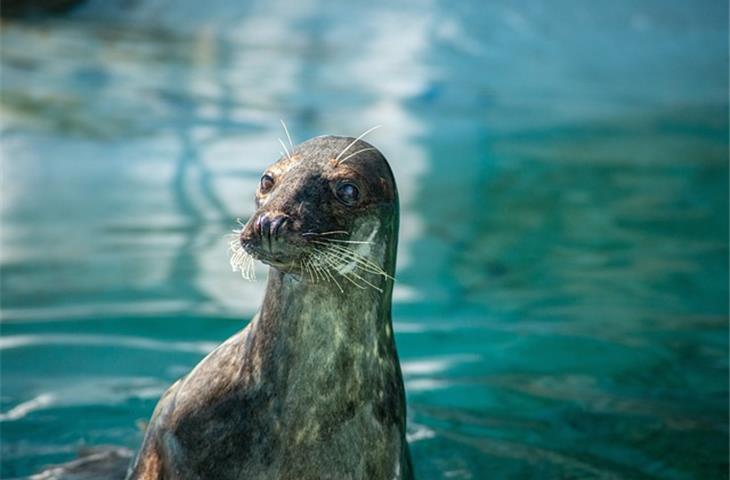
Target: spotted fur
312, 387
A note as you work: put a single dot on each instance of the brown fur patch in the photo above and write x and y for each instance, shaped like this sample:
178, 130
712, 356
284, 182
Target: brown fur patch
151, 468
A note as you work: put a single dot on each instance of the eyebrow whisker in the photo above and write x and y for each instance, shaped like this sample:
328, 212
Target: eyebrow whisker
286, 130
337, 159
353, 154
285, 149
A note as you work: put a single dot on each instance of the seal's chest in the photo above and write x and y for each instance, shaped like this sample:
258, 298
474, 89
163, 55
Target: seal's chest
357, 447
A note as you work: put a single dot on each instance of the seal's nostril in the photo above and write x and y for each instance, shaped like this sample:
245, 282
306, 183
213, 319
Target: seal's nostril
269, 227
264, 225
257, 225
277, 224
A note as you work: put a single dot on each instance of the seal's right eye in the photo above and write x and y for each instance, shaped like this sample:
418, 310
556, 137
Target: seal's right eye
267, 183
348, 193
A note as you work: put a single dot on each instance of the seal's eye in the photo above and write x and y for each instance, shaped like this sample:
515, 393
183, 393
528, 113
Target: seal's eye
267, 183
348, 193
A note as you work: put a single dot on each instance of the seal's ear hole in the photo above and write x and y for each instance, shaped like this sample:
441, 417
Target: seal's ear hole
347, 193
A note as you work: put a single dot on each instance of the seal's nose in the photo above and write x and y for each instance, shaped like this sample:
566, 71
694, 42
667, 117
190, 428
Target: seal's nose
269, 227
277, 225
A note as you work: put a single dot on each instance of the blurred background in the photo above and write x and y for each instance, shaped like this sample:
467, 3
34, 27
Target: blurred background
561, 304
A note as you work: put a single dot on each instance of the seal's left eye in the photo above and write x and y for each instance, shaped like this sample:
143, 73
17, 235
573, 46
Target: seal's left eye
267, 183
348, 193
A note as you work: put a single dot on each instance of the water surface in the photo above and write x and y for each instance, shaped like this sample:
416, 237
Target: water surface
561, 305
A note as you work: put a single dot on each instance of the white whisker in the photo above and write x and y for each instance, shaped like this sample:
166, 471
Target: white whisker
323, 265
286, 130
363, 262
241, 260
332, 277
315, 268
309, 270
305, 234
362, 279
353, 154
336, 265
346, 277
284, 147
337, 159
358, 242
338, 260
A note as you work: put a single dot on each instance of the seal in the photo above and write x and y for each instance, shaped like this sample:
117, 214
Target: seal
312, 387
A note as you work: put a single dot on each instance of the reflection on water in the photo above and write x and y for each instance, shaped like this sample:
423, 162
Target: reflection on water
561, 304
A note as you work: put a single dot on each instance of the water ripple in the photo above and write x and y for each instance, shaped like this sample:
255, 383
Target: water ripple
19, 411
40, 340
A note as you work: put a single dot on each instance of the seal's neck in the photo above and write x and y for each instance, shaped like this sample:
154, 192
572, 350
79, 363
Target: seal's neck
350, 306
297, 306
315, 332
326, 356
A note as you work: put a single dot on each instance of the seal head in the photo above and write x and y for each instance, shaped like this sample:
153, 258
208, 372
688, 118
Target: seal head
330, 189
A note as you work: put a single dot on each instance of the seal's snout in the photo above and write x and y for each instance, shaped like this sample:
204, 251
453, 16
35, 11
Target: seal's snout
269, 227
267, 236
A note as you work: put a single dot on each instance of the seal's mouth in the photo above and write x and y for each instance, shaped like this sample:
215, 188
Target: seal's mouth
270, 237
275, 258
244, 253
328, 256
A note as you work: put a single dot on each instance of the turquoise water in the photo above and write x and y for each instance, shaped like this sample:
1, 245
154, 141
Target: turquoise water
561, 307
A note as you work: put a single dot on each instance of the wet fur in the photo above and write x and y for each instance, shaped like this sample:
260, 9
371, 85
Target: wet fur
312, 387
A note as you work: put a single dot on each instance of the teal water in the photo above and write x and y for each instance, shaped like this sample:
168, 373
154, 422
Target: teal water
561, 304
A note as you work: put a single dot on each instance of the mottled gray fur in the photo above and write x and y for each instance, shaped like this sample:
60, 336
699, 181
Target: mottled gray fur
312, 387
